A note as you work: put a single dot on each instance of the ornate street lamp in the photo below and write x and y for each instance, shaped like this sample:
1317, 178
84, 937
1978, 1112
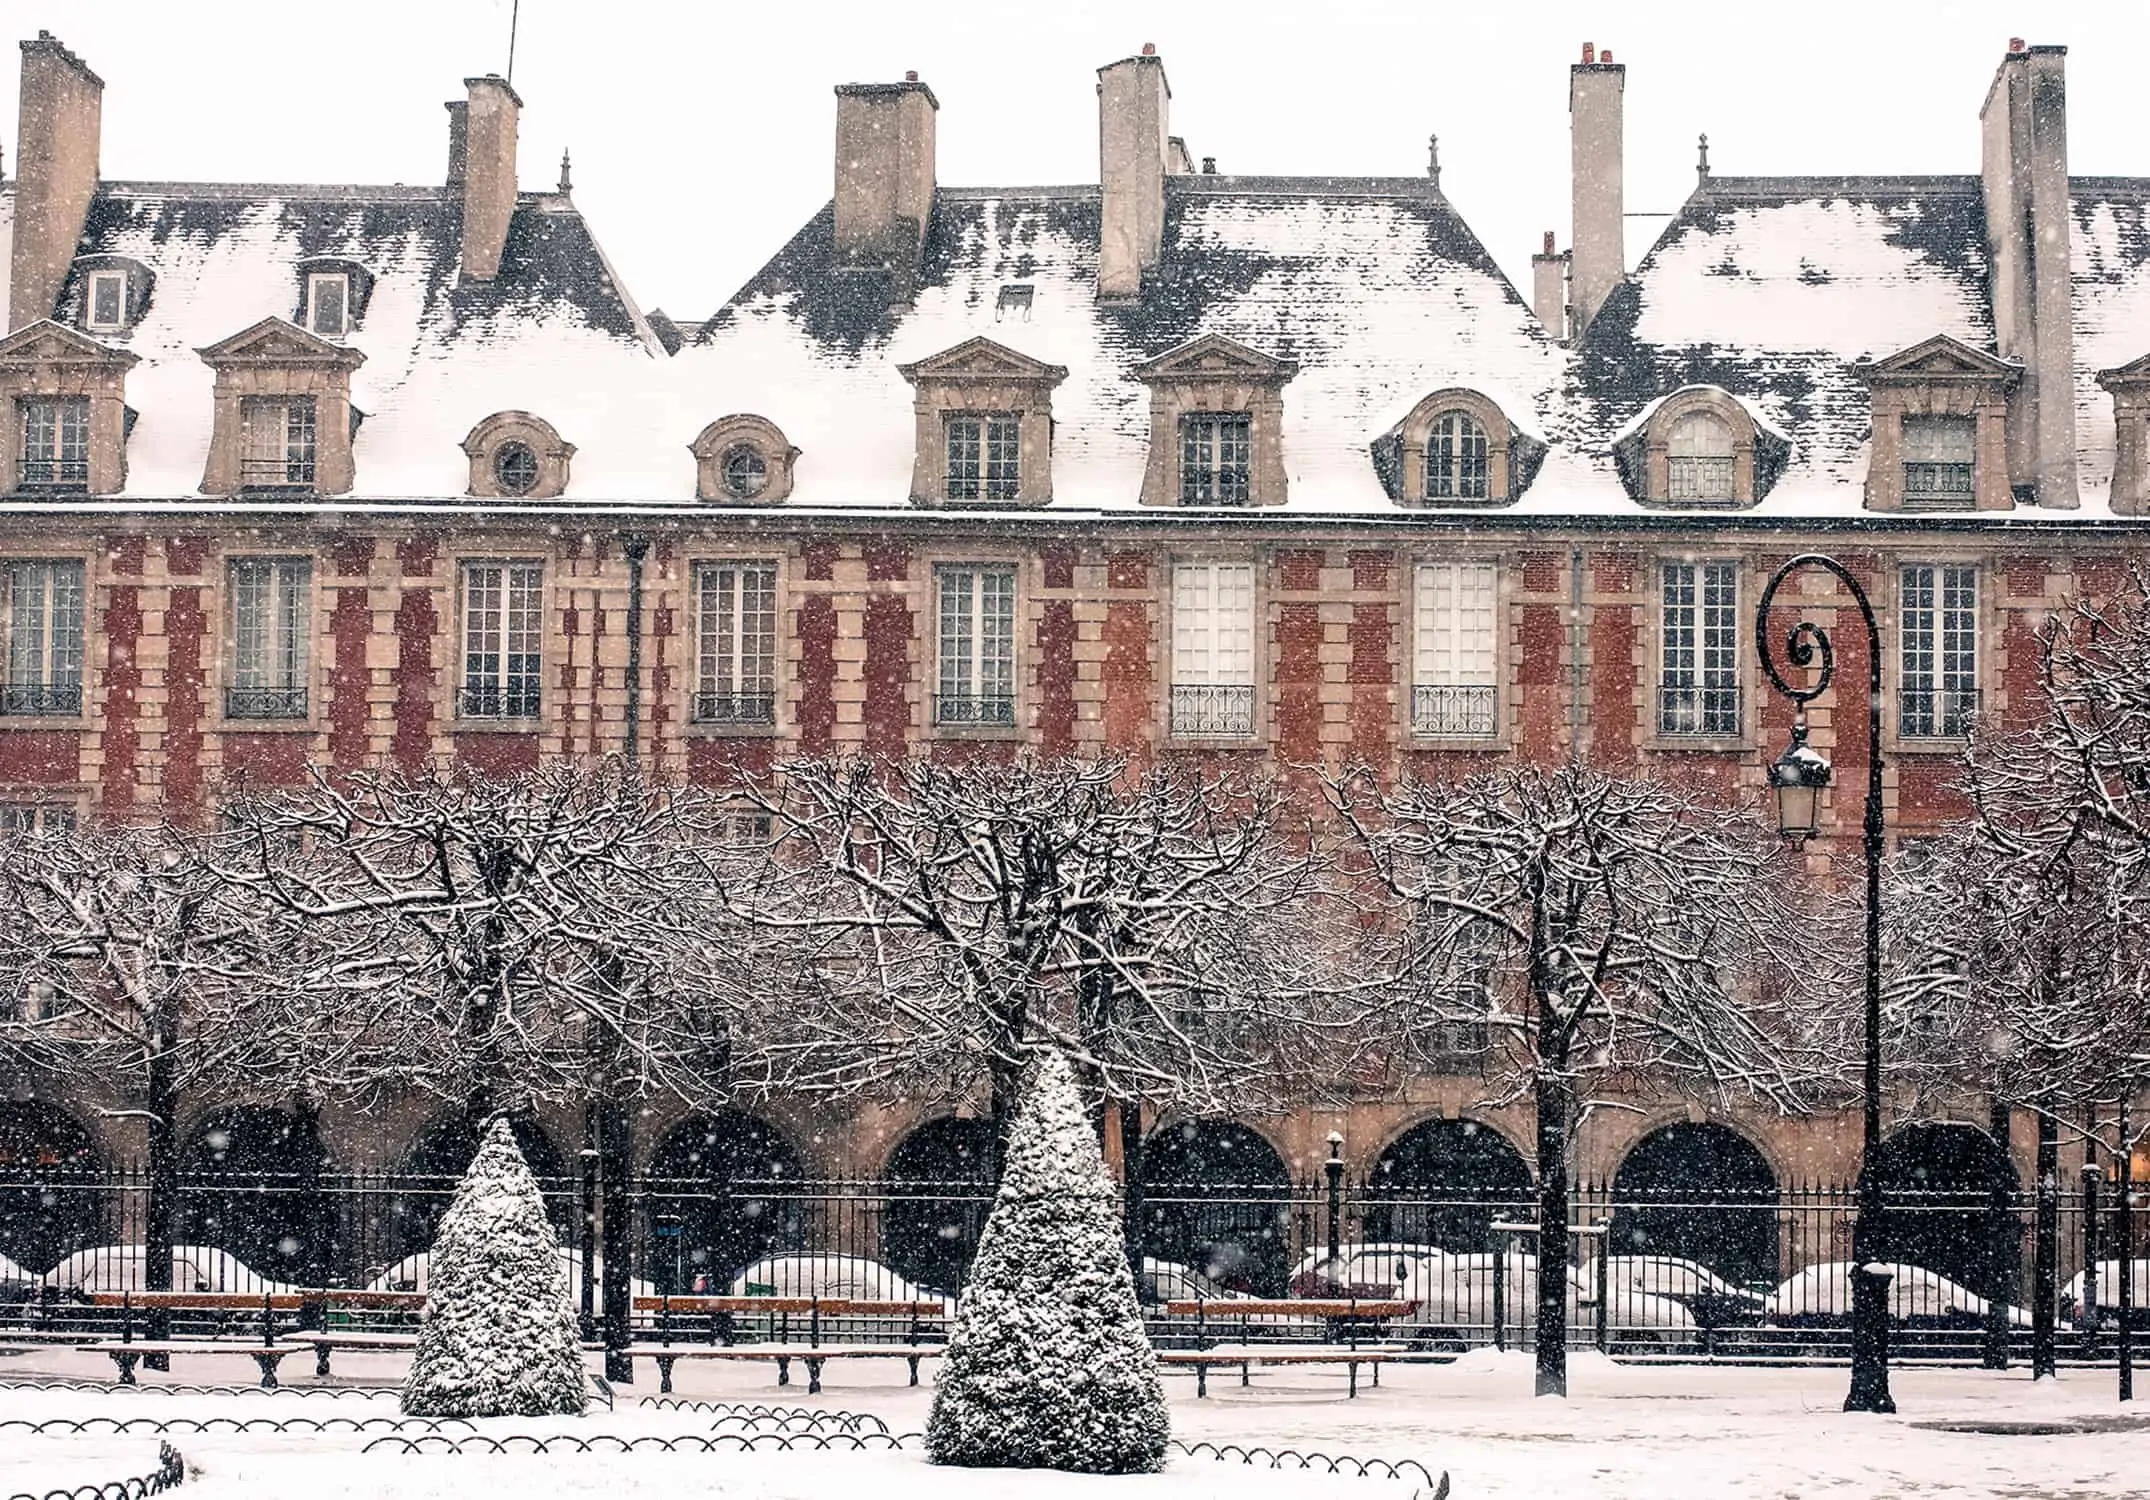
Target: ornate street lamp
1798, 777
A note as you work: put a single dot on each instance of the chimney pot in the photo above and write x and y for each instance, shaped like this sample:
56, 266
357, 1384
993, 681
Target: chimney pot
910, 75
1549, 242
1606, 56
1209, 166
2015, 44
1149, 49
1590, 52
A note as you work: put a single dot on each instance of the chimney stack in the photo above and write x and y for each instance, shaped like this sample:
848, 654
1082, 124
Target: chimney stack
490, 118
1134, 142
56, 141
2024, 168
885, 173
458, 141
1597, 236
1549, 289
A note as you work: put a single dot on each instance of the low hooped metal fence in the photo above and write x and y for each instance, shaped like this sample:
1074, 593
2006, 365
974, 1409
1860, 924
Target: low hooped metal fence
170, 1473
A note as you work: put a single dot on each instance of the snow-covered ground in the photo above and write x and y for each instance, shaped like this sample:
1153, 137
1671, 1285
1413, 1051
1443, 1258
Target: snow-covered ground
1661, 1433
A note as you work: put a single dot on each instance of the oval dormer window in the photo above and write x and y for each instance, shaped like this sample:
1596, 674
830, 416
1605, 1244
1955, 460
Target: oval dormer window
746, 471
515, 467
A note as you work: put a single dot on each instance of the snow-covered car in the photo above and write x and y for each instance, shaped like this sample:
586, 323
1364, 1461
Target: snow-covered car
409, 1275
1370, 1269
851, 1276
125, 1268
1709, 1298
1820, 1297
1170, 1281
17, 1283
2071, 1297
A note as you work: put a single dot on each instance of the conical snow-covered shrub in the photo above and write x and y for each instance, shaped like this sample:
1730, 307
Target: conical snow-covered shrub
498, 1337
1048, 1365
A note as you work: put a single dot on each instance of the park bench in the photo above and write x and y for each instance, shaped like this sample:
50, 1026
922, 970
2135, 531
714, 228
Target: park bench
1344, 1320
140, 1307
323, 1336
717, 1319
1245, 1356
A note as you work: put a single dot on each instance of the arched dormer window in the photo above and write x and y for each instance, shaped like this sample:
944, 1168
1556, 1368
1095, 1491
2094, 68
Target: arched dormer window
1699, 446
516, 456
1457, 447
743, 460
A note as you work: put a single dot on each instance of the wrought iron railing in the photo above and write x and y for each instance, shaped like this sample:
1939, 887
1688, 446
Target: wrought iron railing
1938, 713
265, 703
1941, 484
41, 698
1699, 479
55, 473
734, 708
276, 473
1710, 712
518, 702
1454, 711
991, 710
1211, 709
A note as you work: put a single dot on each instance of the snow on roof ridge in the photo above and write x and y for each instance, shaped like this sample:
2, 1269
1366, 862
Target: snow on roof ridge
388, 192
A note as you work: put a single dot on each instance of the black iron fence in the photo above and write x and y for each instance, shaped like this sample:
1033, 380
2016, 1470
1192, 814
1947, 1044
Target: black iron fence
1671, 1273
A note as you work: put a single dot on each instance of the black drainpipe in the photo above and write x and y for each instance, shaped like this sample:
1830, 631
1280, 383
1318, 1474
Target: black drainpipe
637, 549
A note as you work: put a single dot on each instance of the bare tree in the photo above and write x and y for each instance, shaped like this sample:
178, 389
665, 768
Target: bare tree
1602, 931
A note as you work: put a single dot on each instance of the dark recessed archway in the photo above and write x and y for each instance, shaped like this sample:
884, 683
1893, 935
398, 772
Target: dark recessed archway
1445, 1183
433, 1167
51, 1203
250, 1181
728, 1184
936, 1193
1943, 1184
1216, 1197
1702, 1192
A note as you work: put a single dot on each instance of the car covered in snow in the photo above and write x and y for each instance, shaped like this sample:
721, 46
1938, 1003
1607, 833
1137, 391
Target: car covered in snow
18, 1284
410, 1275
1711, 1300
1820, 1297
125, 1268
852, 1276
1170, 1281
2071, 1297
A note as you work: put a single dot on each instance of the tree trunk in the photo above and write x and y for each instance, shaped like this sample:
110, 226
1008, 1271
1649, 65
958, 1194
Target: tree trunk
1556, 1109
2045, 1252
161, 1213
1131, 1195
2001, 1247
615, 1166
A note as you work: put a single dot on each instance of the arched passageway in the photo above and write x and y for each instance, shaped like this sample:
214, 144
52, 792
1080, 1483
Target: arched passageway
1946, 1187
1701, 1192
1445, 1183
250, 1181
433, 1167
936, 1194
51, 1203
1216, 1197
721, 1192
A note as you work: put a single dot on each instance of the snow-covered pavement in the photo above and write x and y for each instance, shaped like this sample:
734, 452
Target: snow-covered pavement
1660, 1433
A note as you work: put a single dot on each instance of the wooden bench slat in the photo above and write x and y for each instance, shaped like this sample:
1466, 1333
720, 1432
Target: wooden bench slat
1291, 1307
200, 1301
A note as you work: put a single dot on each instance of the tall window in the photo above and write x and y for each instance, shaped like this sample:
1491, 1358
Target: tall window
1938, 460
1698, 687
1453, 688
276, 441
105, 303
1456, 458
328, 303
977, 645
735, 681
984, 456
56, 442
1213, 648
503, 639
1699, 458
27, 820
1939, 696
1216, 458
270, 606
44, 638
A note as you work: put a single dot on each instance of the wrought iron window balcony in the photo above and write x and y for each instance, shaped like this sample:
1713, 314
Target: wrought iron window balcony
1213, 710
1704, 712
500, 703
1938, 713
276, 473
1454, 711
265, 703
54, 698
55, 474
734, 708
991, 710
1699, 478
1941, 484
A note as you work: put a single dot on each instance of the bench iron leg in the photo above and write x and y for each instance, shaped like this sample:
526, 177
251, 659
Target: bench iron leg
268, 1363
914, 1367
1351, 1369
321, 1359
783, 1372
126, 1363
813, 1377
1246, 1372
1201, 1380
664, 1372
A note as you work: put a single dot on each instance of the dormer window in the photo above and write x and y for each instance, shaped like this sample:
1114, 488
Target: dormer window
746, 472
515, 468
1456, 458
55, 443
984, 423
985, 456
1216, 458
1940, 428
1456, 447
742, 459
1698, 459
63, 411
1216, 425
105, 302
277, 442
515, 455
1940, 455
328, 303
284, 419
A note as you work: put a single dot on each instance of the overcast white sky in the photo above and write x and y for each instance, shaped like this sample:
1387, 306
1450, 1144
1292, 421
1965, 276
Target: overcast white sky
702, 132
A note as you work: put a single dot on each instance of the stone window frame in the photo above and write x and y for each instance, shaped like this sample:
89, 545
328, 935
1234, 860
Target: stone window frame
1643, 455
1940, 376
1513, 456
982, 378
1263, 729
2129, 386
48, 360
482, 445
226, 657
1504, 583
458, 633
277, 358
1986, 643
357, 292
91, 637
1215, 374
79, 299
743, 429
1743, 734
1021, 665
780, 679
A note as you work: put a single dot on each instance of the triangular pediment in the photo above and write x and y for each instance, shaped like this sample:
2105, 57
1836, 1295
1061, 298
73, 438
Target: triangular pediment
2134, 372
1215, 357
49, 342
982, 359
278, 341
1942, 357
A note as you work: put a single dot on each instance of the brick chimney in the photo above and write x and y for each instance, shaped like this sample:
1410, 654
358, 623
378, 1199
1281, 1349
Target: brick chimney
490, 118
2024, 165
885, 173
458, 142
1597, 237
1549, 289
1134, 143
55, 173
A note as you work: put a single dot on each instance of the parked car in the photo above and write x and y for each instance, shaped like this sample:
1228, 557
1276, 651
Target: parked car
125, 1268
18, 1284
1820, 1297
1712, 1301
1371, 1269
409, 1275
827, 1276
2071, 1297
1170, 1281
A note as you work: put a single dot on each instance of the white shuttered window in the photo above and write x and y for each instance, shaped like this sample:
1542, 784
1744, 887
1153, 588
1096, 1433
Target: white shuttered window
1213, 648
1454, 688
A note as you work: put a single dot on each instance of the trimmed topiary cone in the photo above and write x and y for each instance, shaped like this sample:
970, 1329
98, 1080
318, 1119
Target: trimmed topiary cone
498, 1337
1048, 1364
